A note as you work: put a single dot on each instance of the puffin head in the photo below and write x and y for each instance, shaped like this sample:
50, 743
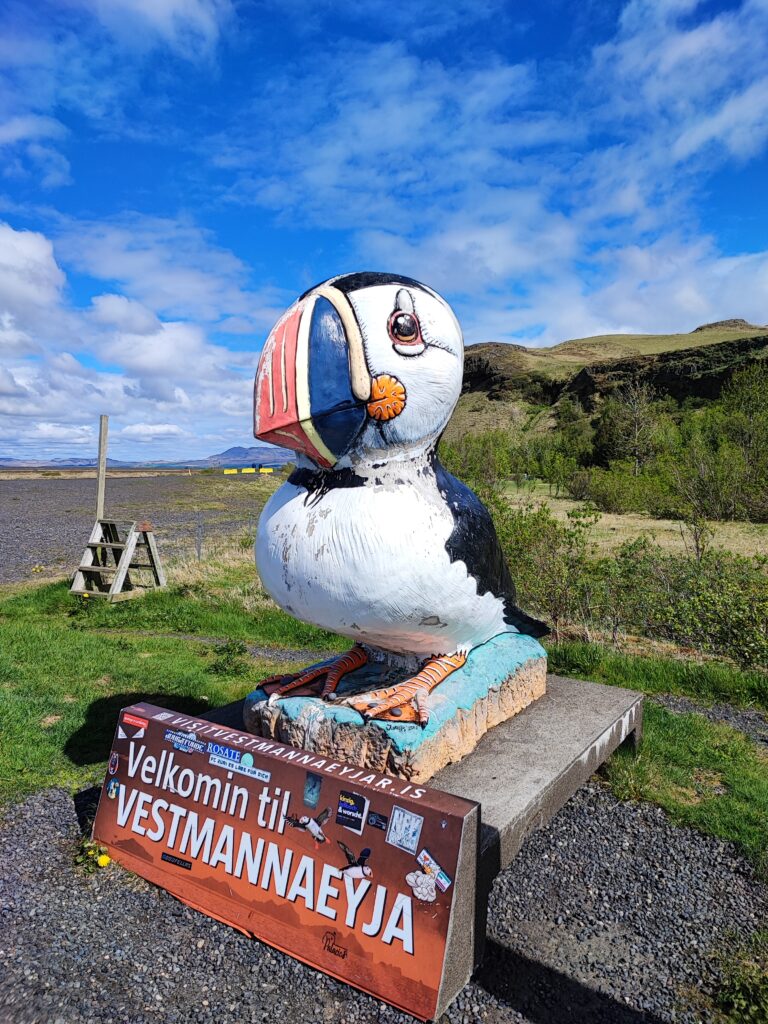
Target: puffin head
364, 365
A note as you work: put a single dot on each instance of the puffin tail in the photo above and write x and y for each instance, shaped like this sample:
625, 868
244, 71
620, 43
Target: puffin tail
524, 623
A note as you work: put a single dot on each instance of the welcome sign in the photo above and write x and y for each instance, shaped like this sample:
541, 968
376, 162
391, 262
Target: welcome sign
363, 876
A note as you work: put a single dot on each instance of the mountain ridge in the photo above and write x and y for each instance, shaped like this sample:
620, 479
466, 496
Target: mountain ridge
236, 457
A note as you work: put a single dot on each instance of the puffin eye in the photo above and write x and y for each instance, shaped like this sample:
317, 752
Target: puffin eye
403, 327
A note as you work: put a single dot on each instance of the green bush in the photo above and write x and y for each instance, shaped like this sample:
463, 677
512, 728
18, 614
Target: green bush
710, 601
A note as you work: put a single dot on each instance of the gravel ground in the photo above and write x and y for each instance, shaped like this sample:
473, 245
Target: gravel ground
607, 915
752, 723
47, 521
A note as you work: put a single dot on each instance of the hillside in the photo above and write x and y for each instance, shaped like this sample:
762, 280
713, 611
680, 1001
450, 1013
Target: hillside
511, 383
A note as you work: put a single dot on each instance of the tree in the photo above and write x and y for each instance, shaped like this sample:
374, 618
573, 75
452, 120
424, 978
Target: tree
627, 426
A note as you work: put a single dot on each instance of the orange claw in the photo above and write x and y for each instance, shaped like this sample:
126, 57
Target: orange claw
334, 671
387, 397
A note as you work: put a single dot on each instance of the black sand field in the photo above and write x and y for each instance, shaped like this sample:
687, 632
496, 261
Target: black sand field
46, 521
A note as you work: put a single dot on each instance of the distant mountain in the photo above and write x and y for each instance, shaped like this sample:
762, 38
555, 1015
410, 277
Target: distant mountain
237, 457
258, 453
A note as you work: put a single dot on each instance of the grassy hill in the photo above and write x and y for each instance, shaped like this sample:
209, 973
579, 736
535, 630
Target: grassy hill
505, 384
559, 362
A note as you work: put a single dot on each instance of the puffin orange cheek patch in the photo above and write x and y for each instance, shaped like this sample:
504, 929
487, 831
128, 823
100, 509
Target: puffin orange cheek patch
387, 397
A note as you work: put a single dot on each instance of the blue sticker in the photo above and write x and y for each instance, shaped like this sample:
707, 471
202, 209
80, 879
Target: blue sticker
226, 752
312, 786
186, 742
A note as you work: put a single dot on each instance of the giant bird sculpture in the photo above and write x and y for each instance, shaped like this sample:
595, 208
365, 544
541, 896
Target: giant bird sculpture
370, 536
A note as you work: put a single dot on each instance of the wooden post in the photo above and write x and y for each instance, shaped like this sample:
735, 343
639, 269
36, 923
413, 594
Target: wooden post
102, 470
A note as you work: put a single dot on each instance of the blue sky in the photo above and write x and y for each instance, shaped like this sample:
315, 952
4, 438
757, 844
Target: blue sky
173, 173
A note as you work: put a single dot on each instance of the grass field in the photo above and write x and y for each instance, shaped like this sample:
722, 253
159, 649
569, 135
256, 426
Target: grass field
612, 530
67, 665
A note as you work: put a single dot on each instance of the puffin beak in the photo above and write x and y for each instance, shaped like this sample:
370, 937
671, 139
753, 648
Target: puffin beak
313, 386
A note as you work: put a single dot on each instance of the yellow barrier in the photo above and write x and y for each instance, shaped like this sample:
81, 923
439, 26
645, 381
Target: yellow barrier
248, 469
266, 469
230, 470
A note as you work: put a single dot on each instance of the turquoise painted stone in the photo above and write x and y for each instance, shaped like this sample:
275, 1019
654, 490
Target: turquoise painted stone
500, 678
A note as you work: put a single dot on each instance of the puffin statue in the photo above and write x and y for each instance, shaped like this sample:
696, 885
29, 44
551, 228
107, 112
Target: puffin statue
370, 536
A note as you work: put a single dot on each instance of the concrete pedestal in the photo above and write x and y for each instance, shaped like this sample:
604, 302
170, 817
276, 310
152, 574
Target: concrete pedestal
523, 771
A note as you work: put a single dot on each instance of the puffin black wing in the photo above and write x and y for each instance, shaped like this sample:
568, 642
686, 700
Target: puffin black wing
351, 859
364, 855
474, 542
293, 822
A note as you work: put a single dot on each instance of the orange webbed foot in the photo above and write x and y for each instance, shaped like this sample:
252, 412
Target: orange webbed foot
407, 701
332, 672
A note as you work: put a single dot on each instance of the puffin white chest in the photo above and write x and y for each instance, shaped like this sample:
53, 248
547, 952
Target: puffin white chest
370, 562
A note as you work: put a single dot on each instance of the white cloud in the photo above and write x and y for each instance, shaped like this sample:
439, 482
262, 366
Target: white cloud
740, 125
30, 279
30, 126
125, 314
191, 27
163, 382
149, 432
170, 266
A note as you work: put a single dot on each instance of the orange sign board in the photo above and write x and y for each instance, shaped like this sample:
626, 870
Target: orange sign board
355, 873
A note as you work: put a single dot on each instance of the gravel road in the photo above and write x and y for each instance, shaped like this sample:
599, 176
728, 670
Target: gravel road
607, 915
47, 521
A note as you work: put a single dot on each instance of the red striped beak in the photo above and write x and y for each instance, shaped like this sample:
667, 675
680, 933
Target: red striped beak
303, 396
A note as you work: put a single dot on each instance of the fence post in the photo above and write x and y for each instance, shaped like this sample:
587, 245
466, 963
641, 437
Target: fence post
102, 468
199, 531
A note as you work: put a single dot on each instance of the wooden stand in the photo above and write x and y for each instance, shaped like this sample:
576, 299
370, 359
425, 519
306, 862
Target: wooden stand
105, 568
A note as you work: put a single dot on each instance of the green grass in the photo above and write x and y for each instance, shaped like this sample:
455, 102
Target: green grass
708, 682
63, 678
743, 992
707, 776
182, 608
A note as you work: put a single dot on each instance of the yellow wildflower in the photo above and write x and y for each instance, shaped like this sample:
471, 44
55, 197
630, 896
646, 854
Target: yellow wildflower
103, 860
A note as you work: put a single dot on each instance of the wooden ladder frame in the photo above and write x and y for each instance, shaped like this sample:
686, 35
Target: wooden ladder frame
96, 576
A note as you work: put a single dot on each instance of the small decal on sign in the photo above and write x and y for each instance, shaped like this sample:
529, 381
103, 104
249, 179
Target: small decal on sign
241, 769
140, 723
430, 867
356, 866
376, 820
312, 786
163, 716
178, 861
186, 742
226, 753
113, 788
423, 886
351, 811
114, 762
404, 829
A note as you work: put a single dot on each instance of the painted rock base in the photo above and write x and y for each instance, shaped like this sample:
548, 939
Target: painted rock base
498, 680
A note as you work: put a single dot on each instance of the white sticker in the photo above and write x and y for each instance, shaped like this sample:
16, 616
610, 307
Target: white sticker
404, 829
